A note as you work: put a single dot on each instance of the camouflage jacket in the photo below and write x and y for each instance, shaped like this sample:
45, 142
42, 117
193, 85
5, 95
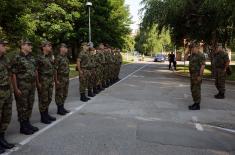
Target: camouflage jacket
100, 58
196, 61
24, 67
45, 66
62, 66
4, 71
220, 59
85, 60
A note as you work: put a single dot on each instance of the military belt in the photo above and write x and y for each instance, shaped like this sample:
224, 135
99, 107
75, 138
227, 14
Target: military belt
5, 87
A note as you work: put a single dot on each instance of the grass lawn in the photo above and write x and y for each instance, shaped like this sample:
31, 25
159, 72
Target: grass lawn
207, 72
73, 73
125, 62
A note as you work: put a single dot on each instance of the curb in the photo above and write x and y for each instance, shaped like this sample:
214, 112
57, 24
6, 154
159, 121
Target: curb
207, 79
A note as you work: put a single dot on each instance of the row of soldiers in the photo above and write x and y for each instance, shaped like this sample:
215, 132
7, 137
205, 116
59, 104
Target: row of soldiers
98, 69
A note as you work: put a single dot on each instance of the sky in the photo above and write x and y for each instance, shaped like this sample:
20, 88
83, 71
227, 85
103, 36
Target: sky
134, 10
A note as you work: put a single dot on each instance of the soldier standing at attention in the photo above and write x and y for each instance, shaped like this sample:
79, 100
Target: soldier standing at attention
221, 62
82, 64
196, 68
45, 81
61, 79
5, 97
99, 68
93, 73
24, 83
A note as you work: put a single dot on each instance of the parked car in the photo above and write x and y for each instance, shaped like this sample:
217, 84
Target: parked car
159, 58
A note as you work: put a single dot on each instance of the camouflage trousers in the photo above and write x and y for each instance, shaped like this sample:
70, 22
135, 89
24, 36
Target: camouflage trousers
25, 102
196, 88
220, 77
106, 72
83, 80
92, 80
99, 75
5, 109
61, 91
45, 94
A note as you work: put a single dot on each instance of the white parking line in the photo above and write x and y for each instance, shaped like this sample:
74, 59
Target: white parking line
30, 138
197, 125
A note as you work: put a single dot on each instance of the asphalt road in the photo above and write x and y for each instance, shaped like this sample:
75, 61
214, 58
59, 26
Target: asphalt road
144, 114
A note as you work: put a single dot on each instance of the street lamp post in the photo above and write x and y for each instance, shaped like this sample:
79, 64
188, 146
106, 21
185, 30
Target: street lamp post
89, 4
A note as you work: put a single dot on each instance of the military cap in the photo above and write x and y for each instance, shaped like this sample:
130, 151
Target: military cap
3, 42
220, 45
44, 43
63, 45
25, 41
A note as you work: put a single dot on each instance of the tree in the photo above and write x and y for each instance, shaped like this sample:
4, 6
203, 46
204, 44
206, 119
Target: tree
150, 41
208, 20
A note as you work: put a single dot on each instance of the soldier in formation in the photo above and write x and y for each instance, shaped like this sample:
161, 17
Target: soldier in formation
98, 69
24, 83
45, 81
61, 79
5, 97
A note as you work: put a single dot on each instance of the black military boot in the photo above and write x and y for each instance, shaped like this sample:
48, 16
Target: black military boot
2, 149
220, 96
4, 143
195, 106
95, 90
30, 126
65, 110
83, 97
101, 87
90, 93
60, 110
51, 118
24, 128
44, 118
104, 85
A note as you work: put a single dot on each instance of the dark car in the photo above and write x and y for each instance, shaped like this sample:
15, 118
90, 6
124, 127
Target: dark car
159, 58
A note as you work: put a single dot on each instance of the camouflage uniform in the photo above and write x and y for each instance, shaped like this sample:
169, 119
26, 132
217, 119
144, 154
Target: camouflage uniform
45, 66
220, 60
196, 61
118, 63
24, 67
119, 56
62, 68
99, 69
5, 94
92, 69
85, 62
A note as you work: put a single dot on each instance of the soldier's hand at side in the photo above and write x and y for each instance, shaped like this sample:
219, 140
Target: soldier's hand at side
57, 82
18, 92
81, 73
199, 78
39, 86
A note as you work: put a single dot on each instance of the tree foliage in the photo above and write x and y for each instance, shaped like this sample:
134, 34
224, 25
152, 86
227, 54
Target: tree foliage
208, 20
151, 41
65, 21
